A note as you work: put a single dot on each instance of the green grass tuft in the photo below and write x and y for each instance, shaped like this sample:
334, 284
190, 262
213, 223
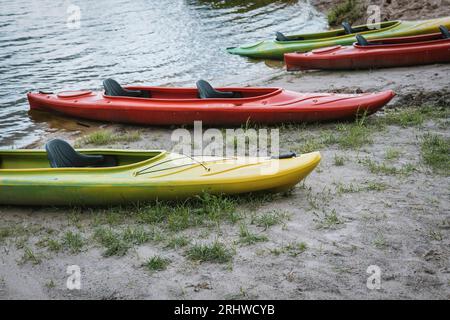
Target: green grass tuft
354, 135
105, 137
392, 154
30, 256
178, 242
157, 263
269, 219
348, 10
248, 238
330, 220
292, 249
73, 242
112, 241
383, 168
435, 151
408, 117
339, 160
216, 252
135, 235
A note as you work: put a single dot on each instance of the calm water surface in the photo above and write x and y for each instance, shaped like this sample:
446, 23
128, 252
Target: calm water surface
170, 42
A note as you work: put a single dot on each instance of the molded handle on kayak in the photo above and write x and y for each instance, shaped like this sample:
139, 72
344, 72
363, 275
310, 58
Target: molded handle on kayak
285, 156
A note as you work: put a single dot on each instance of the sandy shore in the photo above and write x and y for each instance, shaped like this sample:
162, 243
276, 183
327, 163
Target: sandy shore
374, 200
398, 9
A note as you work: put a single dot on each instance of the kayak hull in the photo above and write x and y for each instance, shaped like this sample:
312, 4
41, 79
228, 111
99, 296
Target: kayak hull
180, 107
165, 176
272, 49
384, 53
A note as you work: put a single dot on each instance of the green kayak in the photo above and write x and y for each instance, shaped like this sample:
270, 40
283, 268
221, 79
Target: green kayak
274, 49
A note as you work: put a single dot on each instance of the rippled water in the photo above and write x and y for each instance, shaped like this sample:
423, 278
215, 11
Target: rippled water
154, 42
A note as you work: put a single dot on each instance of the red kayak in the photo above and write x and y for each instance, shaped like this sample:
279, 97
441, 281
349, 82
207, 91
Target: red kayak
223, 106
382, 53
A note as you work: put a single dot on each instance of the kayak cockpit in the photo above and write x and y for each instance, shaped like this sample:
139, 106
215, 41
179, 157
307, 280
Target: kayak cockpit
417, 39
204, 90
61, 157
346, 29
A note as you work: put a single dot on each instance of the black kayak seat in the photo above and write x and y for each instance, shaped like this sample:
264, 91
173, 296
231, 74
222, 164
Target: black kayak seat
347, 28
282, 37
287, 155
361, 40
445, 32
60, 154
114, 89
206, 91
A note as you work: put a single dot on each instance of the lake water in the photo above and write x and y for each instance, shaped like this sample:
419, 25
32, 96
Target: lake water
169, 42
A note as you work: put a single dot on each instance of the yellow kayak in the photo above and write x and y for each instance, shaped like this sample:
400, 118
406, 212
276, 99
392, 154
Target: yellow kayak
62, 176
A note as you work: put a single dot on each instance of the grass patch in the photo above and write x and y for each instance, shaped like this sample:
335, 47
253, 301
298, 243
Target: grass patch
30, 256
216, 252
73, 242
248, 238
269, 219
178, 242
157, 263
6, 233
408, 117
339, 161
383, 168
380, 242
354, 135
292, 249
375, 186
113, 243
135, 235
105, 137
17, 230
350, 188
330, 220
392, 154
51, 244
314, 143
435, 152
194, 212
348, 10
435, 235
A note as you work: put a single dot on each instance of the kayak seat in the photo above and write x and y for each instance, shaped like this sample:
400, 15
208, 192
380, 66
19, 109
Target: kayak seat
445, 32
60, 154
206, 91
114, 89
362, 41
347, 28
282, 37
